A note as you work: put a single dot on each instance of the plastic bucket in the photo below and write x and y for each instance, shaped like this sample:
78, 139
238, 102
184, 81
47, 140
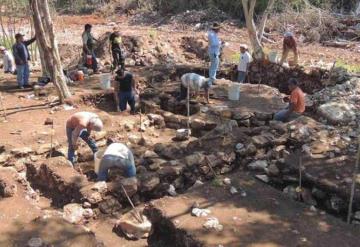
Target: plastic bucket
97, 159
234, 91
89, 60
105, 81
273, 57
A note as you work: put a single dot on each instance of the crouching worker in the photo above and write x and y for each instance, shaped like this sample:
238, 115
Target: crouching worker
80, 125
296, 103
125, 90
117, 155
196, 83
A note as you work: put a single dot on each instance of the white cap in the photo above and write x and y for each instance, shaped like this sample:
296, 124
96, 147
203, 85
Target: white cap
243, 46
2, 48
97, 124
288, 34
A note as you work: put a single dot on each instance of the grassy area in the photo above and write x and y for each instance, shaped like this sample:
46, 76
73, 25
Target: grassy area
352, 68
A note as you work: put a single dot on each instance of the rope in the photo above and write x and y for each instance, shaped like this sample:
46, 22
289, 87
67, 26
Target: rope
188, 109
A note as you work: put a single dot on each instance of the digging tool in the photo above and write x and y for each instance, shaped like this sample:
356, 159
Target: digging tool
188, 109
3, 108
140, 219
353, 185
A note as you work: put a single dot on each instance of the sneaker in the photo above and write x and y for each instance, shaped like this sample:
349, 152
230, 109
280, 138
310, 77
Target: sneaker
21, 87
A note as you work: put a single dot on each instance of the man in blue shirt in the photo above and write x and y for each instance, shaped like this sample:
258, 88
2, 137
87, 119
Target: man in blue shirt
214, 51
22, 58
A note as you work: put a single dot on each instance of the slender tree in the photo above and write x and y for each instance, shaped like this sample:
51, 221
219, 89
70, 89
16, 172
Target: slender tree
45, 36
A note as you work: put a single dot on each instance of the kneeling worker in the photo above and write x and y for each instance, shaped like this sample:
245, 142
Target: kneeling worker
80, 125
117, 155
296, 103
196, 83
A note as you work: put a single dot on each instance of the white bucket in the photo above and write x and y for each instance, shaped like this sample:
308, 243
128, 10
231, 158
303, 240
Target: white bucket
183, 134
234, 91
273, 57
105, 80
97, 159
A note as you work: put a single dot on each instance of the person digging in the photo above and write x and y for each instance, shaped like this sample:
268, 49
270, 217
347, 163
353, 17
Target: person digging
289, 45
117, 155
296, 105
125, 89
80, 125
196, 83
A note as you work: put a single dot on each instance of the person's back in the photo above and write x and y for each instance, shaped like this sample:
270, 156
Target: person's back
117, 155
79, 119
195, 81
297, 97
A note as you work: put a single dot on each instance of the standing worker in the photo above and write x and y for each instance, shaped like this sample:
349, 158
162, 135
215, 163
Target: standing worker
117, 53
245, 60
80, 125
289, 44
22, 58
214, 51
88, 48
125, 90
296, 105
117, 155
8, 60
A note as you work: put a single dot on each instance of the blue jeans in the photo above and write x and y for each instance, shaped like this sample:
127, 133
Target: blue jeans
281, 116
214, 65
241, 76
111, 161
23, 73
84, 134
126, 98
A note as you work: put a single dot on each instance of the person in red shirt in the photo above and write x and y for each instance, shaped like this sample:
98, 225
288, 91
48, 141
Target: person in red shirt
289, 44
296, 103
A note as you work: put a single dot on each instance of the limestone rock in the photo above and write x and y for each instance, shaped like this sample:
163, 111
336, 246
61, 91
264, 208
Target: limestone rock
73, 213
20, 152
110, 205
337, 112
260, 165
148, 182
8, 186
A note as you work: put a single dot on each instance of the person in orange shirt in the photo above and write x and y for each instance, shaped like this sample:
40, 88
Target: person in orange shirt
296, 103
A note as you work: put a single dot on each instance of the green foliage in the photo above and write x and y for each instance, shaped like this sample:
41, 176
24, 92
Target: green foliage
353, 68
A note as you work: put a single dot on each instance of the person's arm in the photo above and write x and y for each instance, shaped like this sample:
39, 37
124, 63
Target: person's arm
30, 41
85, 38
134, 85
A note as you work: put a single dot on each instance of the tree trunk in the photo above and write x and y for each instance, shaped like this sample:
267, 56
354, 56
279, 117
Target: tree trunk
47, 43
250, 24
264, 18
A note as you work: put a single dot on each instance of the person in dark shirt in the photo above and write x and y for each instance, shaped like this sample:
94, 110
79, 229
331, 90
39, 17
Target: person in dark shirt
116, 51
89, 48
22, 58
125, 90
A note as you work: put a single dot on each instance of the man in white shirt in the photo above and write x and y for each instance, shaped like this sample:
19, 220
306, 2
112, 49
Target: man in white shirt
117, 155
8, 60
245, 60
196, 83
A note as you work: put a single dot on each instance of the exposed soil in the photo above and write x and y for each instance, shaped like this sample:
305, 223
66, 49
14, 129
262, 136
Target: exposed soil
265, 217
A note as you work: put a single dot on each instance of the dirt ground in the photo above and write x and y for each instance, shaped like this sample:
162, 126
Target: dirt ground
265, 217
